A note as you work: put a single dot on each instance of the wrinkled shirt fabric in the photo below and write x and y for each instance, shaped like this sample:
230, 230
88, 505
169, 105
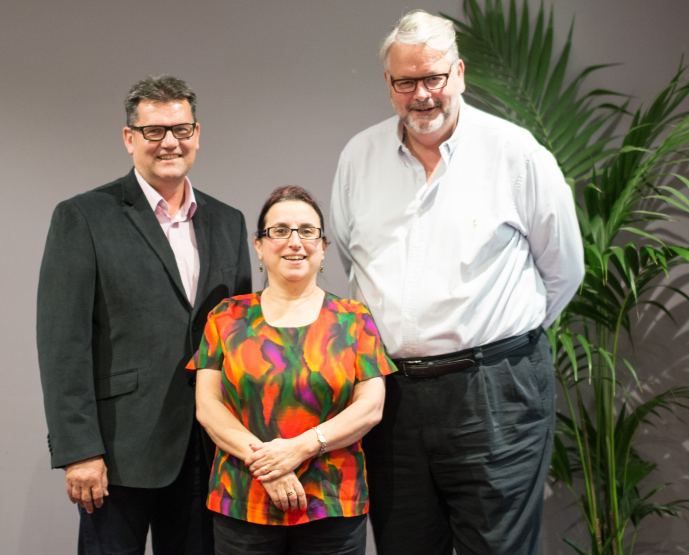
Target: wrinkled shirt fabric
489, 249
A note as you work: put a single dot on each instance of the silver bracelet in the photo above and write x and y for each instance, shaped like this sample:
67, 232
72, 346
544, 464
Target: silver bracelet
321, 439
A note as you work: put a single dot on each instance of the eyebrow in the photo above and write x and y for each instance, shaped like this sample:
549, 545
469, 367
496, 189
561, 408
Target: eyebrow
409, 77
283, 224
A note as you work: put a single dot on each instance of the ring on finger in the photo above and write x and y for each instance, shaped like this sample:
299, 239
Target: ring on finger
265, 469
290, 492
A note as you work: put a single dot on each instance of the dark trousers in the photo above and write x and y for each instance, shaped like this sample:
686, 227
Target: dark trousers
327, 536
177, 515
461, 460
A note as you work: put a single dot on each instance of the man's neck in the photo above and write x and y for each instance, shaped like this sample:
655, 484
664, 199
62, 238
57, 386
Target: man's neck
172, 192
425, 147
431, 141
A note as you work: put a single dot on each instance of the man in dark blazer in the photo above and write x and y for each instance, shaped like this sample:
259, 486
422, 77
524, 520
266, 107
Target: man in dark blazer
130, 271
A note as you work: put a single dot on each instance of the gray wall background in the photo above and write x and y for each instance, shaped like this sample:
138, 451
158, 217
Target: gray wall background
282, 86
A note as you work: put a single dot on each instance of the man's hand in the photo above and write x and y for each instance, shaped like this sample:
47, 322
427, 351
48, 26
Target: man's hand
87, 482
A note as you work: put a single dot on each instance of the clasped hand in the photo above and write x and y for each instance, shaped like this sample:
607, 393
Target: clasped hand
275, 458
286, 492
273, 464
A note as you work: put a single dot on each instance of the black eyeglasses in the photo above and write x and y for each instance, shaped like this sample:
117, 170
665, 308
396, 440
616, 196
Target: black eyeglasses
431, 82
280, 232
180, 131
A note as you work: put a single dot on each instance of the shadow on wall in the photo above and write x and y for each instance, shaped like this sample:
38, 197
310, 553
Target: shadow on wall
49, 518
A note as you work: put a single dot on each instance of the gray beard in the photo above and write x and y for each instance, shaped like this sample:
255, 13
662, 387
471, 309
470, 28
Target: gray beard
424, 127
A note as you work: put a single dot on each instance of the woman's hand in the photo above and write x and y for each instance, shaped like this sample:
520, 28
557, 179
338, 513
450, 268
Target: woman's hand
286, 492
278, 457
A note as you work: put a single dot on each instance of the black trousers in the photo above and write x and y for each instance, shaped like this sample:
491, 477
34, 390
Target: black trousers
177, 515
461, 460
327, 536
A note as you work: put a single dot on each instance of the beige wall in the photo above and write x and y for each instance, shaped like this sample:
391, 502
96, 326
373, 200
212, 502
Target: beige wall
282, 86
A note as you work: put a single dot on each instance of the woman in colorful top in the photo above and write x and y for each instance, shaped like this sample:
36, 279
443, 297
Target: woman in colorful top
301, 382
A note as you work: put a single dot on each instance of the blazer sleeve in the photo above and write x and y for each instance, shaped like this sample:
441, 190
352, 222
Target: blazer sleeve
243, 280
66, 292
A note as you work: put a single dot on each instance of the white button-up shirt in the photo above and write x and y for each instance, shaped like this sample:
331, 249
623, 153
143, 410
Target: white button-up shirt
179, 231
489, 249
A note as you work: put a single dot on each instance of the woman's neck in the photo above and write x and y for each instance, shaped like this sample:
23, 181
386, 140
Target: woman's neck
291, 307
288, 293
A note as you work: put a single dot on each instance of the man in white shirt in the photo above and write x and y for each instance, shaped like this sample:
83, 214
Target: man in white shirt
130, 271
459, 233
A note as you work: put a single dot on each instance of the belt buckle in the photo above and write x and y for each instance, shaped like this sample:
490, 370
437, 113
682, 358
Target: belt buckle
404, 366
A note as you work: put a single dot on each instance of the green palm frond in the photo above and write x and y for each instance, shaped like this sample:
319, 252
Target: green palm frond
511, 71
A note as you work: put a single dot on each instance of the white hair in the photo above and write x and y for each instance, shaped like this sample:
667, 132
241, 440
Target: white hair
420, 27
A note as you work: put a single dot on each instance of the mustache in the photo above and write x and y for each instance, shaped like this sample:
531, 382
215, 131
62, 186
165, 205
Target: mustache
429, 103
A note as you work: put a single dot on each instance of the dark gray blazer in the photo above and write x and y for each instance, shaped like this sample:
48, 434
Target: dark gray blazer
115, 329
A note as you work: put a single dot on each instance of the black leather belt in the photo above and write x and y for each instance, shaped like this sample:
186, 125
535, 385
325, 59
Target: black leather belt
430, 367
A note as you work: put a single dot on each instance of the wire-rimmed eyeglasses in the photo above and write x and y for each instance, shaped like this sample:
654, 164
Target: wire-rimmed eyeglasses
280, 232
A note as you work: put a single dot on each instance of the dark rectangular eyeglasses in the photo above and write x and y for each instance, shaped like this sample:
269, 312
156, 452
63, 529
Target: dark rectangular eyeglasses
180, 131
431, 82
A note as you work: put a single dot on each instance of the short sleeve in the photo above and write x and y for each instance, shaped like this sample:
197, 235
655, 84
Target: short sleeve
210, 353
371, 359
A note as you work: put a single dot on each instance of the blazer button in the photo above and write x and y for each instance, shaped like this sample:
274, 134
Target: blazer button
194, 326
191, 381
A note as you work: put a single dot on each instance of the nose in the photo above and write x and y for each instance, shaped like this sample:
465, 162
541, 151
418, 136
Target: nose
294, 239
421, 92
169, 140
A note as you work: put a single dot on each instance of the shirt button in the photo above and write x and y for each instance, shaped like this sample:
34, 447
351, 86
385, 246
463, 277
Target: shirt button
418, 179
420, 210
408, 316
411, 280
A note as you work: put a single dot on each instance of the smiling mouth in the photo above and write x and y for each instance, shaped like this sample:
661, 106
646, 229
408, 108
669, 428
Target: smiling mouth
169, 156
425, 107
294, 257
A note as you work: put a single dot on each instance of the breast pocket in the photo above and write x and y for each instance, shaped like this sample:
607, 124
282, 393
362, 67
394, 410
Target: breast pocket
116, 384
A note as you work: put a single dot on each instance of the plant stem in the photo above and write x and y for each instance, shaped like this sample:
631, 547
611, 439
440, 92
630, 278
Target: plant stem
588, 472
617, 530
598, 390
590, 520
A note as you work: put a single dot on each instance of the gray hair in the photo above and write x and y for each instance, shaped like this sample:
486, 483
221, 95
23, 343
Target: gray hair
420, 27
158, 88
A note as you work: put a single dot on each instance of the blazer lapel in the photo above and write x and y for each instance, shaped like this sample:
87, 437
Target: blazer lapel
201, 231
137, 208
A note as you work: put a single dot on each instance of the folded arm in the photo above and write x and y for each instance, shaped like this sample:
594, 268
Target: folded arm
275, 458
231, 436
222, 426
554, 236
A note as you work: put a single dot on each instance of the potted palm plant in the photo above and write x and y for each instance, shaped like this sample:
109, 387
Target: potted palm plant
618, 191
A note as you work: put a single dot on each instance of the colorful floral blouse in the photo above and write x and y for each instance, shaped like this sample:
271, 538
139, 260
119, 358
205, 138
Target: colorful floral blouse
280, 382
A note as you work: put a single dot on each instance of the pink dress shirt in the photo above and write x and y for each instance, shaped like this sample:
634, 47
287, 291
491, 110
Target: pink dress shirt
179, 231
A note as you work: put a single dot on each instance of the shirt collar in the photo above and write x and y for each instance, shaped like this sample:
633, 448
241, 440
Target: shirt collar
155, 199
